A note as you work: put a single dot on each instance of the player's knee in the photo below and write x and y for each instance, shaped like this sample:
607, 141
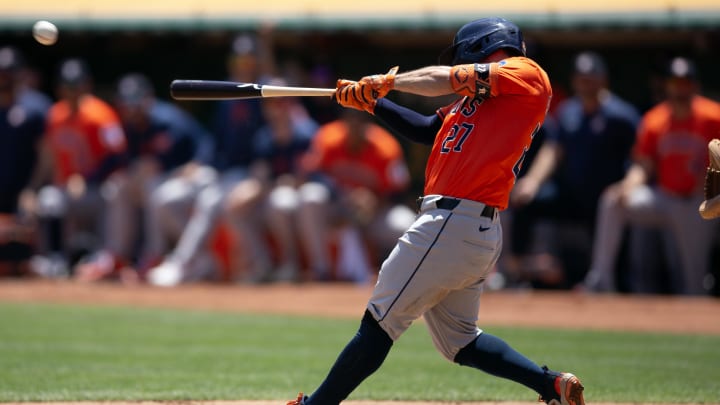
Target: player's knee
284, 198
313, 193
464, 356
448, 352
52, 202
374, 333
243, 197
447, 343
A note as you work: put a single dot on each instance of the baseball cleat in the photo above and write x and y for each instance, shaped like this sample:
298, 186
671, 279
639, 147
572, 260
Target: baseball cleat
569, 391
299, 401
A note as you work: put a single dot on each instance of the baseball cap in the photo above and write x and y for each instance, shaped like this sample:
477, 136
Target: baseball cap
133, 88
10, 59
681, 68
73, 72
590, 63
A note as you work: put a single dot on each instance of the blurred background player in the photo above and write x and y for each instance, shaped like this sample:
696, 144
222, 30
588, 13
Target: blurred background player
22, 125
189, 210
528, 259
28, 81
364, 172
84, 144
266, 204
663, 188
235, 122
164, 142
586, 149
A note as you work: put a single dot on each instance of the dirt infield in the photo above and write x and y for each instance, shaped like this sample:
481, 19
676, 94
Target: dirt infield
516, 308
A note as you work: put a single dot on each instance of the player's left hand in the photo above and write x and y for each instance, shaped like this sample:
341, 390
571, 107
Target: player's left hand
381, 84
355, 95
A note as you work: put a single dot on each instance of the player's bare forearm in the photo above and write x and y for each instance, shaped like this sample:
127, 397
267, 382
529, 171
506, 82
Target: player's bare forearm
638, 173
545, 162
430, 81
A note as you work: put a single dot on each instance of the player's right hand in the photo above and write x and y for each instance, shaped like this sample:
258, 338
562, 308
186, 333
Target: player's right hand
355, 95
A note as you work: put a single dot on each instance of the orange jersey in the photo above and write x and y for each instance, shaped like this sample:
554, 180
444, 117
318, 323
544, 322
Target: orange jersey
81, 140
482, 142
679, 147
378, 165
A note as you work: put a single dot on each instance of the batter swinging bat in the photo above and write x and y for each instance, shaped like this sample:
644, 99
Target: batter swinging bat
225, 90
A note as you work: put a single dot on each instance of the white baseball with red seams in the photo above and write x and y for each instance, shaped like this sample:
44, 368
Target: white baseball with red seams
45, 32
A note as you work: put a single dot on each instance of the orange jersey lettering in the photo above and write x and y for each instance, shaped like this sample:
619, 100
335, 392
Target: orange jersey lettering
483, 140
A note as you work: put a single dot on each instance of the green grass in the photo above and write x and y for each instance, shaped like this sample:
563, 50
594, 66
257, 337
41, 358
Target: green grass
72, 353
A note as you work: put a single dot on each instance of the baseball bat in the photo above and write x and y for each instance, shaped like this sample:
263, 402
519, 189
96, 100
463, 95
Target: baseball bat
229, 90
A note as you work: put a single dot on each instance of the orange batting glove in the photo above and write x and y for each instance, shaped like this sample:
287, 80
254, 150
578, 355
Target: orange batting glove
381, 84
355, 95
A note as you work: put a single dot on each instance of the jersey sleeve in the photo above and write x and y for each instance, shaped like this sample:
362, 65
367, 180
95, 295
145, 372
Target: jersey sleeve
647, 139
516, 76
442, 112
110, 131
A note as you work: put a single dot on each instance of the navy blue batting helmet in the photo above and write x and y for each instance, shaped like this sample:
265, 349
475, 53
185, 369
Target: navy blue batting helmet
476, 40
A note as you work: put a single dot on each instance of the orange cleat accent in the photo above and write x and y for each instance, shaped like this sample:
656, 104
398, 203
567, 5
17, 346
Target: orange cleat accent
569, 389
299, 401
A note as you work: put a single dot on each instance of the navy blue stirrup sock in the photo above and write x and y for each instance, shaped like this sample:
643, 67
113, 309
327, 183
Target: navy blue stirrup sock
493, 356
361, 357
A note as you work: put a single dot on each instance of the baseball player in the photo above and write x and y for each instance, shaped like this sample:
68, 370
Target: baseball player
437, 268
663, 188
83, 144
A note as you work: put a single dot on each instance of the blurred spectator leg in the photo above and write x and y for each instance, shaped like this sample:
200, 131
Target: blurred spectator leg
84, 227
123, 199
172, 206
313, 226
193, 240
572, 246
281, 210
606, 245
353, 263
120, 227
529, 253
168, 210
51, 260
643, 207
243, 208
644, 271
693, 237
